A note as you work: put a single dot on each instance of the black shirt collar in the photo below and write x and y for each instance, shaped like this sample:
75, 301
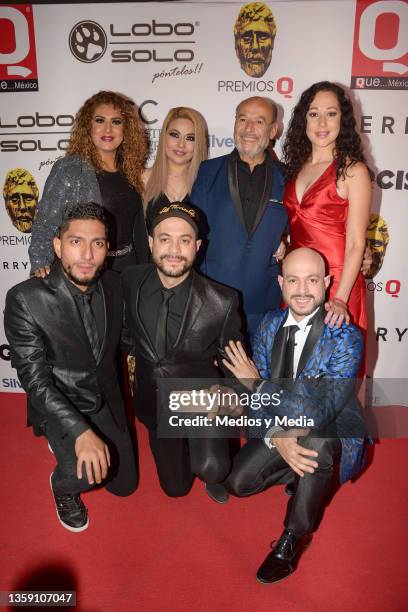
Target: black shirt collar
154, 284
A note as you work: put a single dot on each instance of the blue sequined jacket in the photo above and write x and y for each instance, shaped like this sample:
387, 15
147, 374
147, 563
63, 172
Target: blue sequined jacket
324, 388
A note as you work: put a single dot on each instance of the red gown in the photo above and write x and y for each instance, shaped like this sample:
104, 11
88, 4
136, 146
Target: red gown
319, 222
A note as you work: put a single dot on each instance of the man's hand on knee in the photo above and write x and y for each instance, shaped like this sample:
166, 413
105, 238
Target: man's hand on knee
296, 456
93, 452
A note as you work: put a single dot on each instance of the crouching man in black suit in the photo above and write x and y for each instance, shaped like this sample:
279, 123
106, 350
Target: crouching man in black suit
64, 331
178, 321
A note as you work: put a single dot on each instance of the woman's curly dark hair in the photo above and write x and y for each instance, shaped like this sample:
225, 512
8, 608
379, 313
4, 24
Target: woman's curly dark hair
297, 147
130, 155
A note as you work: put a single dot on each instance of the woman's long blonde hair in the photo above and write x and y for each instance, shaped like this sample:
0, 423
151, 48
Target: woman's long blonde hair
130, 155
157, 181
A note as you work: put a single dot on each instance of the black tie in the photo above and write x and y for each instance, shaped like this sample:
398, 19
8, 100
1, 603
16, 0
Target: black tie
289, 355
90, 324
161, 329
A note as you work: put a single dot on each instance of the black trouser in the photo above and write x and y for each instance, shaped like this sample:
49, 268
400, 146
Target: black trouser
256, 467
180, 460
123, 474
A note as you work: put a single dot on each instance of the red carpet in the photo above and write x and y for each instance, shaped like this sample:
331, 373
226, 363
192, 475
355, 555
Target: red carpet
151, 553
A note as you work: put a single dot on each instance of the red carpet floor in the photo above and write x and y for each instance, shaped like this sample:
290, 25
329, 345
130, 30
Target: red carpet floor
151, 553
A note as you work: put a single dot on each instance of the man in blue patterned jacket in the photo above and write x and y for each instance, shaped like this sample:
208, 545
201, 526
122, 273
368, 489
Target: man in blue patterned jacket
310, 370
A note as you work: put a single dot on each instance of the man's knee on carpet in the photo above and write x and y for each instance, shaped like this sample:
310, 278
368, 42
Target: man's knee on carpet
211, 469
243, 484
175, 489
123, 489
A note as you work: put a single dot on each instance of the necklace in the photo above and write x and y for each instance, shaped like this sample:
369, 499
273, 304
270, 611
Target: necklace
178, 176
176, 190
175, 195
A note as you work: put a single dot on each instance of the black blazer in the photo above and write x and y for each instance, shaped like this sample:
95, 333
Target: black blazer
211, 318
52, 355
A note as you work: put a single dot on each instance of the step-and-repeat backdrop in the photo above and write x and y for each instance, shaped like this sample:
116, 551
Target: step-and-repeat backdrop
52, 57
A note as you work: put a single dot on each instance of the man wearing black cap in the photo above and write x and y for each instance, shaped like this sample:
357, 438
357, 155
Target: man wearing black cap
177, 321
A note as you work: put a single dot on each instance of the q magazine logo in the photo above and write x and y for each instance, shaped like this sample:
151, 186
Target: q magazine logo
380, 52
18, 61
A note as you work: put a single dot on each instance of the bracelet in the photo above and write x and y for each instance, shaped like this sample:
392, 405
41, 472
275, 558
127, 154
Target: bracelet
257, 383
340, 301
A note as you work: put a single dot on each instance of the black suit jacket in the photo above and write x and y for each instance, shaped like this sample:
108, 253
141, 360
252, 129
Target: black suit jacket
52, 355
211, 318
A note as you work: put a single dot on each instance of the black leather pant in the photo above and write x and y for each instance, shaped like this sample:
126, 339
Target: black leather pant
123, 474
180, 460
257, 467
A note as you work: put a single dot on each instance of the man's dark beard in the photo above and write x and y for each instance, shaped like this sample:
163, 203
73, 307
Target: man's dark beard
83, 282
173, 274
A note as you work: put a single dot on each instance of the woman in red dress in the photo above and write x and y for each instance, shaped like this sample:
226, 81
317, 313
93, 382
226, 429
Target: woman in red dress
328, 194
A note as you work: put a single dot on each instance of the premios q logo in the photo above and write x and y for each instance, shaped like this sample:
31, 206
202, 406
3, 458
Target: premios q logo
254, 39
377, 238
20, 194
254, 33
87, 41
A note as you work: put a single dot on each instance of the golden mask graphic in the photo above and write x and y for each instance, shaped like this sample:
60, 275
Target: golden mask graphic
377, 239
20, 194
254, 32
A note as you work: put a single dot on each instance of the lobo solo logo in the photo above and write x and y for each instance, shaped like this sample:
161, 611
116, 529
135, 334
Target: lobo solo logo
152, 41
46, 132
380, 52
87, 41
18, 64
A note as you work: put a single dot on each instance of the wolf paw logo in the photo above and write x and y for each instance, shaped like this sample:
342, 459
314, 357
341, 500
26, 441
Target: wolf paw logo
87, 41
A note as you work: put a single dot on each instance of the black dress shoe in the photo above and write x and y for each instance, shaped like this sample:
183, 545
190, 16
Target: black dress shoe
217, 492
71, 511
282, 561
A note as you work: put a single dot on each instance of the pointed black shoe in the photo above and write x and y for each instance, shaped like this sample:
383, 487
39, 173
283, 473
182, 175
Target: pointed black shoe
217, 492
282, 561
71, 511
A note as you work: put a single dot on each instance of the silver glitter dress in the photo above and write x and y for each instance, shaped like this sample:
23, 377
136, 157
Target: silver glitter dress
71, 180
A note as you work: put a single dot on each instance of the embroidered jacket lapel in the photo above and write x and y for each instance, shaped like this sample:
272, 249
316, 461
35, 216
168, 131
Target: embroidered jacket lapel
233, 187
278, 351
266, 194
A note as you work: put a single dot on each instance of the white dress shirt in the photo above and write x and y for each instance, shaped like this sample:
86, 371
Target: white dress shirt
300, 336
300, 341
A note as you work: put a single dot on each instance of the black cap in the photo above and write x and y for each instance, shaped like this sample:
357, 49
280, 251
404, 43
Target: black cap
183, 210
